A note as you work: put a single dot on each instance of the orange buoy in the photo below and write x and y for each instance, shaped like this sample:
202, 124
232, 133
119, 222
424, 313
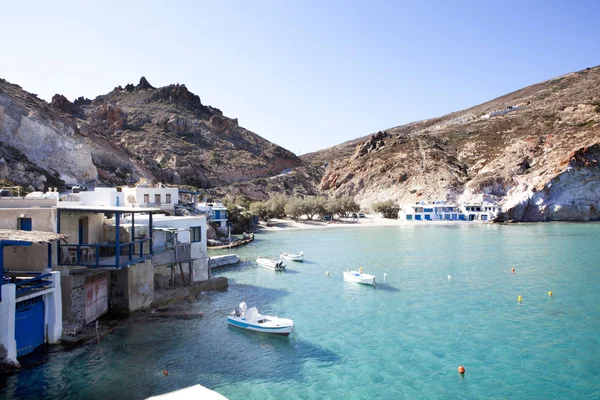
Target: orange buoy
461, 369
165, 372
513, 270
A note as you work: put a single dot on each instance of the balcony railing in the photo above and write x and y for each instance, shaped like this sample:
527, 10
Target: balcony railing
105, 254
26, 281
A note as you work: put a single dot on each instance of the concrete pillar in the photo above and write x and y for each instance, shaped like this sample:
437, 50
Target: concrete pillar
53, 305
201, 269
7, 320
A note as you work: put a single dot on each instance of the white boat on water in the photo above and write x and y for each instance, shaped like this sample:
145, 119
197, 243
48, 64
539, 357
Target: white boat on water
359, 277
270, 263
249, 318
292, 257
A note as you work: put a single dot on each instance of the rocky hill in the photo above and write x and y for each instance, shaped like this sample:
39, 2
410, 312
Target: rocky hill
535, 150
162, 134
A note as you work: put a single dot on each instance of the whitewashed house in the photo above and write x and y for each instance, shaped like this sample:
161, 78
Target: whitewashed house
216, 212
158, 195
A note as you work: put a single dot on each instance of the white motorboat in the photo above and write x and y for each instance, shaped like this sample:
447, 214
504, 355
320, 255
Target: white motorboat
292, 257
270, 263
359, 277
250, 319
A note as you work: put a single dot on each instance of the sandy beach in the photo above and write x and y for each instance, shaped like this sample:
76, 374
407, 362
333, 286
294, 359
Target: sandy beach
370, 220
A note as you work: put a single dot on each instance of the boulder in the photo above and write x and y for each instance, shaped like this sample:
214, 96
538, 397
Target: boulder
210, 233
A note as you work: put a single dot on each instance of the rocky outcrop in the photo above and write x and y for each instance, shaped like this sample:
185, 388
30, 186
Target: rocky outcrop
534, 151
62, 103
570, 195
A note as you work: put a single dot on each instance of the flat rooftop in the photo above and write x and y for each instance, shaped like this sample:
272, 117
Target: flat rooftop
113, 209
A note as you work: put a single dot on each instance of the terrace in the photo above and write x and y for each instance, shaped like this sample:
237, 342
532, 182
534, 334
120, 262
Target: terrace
98, 247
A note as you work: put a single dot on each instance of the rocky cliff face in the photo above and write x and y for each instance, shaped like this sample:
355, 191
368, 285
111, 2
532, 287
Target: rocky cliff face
161, 134
535, 151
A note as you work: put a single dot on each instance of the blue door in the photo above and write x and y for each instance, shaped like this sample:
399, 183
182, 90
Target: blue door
29, 325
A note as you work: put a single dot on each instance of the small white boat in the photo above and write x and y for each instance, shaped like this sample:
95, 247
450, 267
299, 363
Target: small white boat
250, 319
359, 277
292, 257
270, 263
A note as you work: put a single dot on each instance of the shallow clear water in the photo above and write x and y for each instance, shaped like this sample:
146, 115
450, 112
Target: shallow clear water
403, 339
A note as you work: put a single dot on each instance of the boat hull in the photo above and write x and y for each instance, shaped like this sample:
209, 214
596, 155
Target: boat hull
292, 257
283, 330
270, 264
355, 276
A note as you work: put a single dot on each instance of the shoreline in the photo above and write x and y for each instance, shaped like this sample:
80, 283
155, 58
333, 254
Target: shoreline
376, 220
370, 220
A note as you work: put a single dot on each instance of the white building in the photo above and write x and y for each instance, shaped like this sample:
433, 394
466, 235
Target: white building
176, 240
108, 197
442, 211
216, 212
151, 196
480, 211
422, 211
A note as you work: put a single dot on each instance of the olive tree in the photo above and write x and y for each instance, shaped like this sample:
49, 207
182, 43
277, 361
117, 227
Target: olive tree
387, 208
260, 209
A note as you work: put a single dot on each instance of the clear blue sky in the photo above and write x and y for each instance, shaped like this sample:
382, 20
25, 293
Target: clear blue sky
304, 74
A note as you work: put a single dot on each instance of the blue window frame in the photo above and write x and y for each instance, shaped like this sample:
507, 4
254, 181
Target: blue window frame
195, 234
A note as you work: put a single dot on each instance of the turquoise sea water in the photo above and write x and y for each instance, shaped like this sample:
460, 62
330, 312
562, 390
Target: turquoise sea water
403, 339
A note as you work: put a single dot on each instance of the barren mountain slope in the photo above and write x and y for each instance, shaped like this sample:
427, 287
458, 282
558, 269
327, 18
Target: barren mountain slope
163, 134
535, 150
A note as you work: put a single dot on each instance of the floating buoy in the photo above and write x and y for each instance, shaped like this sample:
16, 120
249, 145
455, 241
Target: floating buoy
550, 294
360, 270
513, 270
327, 273
449, 278
461, 369
165, 372
384, 276
519, 299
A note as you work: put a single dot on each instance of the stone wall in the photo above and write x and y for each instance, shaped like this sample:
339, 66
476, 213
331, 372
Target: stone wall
74, 296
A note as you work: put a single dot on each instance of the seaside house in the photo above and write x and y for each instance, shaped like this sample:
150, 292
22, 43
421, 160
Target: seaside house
216, 212
30, 292
103, 265
158, 196
99, 266
436, 211
177, 241
482, 212
442, 211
